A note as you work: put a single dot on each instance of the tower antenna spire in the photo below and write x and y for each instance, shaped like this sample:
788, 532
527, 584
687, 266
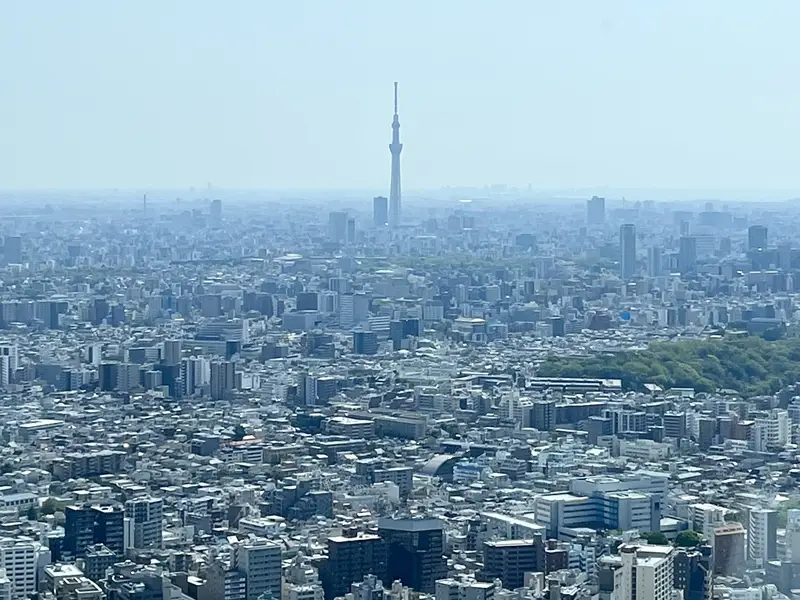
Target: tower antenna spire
395, 200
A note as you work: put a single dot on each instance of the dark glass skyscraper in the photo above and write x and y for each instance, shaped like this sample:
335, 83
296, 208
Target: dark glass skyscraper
380, 211
416, 551
627, 245
757, 237
687, 254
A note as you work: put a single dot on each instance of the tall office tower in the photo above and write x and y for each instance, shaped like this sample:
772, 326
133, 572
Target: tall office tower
762, 536
216, 213
793, 536
543, 415
596, 210
260, 561
353, 309
172, 352
351, 231
693, 572
223, 378
687, 254
346, 311
365, 342
395, 201
647, 572
785, 256
729, 549
9, 361
12, 250
757, 237
19, 559
627, 246
350, 559
654, 261
145, 516
337, 226
93, 354
415, 551
380, 211
195, 373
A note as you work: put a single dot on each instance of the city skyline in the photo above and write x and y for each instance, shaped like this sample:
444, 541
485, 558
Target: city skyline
547, 99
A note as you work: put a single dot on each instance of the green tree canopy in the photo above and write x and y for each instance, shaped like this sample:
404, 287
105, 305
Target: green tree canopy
49, 506
655, 537
688, 539
750, 365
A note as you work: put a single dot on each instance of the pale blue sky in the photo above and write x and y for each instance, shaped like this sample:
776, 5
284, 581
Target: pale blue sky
297, 94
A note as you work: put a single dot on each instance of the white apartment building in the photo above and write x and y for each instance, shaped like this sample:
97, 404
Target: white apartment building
762, 536
704, 518
771, 430
647, 572
260, 560
18, 558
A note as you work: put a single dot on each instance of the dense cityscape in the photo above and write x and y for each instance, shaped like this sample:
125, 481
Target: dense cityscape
460, 395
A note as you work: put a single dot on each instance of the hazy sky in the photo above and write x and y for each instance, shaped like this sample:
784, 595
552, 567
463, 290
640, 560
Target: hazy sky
298, 93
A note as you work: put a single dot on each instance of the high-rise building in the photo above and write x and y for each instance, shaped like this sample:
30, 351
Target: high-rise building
674, 425
757, 237
415, 551
97, 560
225, 583
307, 301
729, 549
596, 210
260, 561
687, 254
353, 309
172, 352
195, 373
19, 559
785, 256
793, 536
543, 415
223, 378
647, 572
380, 211
337, 226
145, 516
350, 559
762, 536
109, 527
395, 198
9, 361
365, 342
693, 572
78, 530
509, 560
627, 246
12, 250
654, 261
216, 213
351, 231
